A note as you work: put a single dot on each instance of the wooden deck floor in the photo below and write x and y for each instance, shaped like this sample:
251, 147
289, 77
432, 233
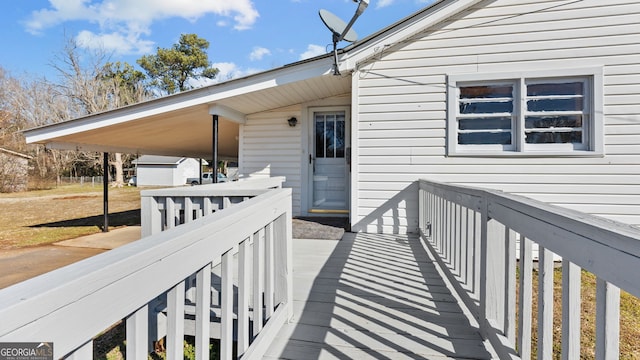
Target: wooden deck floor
373, 296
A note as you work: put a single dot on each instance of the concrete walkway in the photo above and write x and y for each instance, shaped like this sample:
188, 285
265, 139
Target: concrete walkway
17, 265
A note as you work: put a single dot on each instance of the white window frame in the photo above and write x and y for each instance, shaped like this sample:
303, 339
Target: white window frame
593, 121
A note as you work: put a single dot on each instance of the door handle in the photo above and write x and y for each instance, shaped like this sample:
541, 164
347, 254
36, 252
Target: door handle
310, 158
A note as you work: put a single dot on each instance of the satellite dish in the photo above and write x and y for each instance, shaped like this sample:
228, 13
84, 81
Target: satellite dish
337, 26
341, 30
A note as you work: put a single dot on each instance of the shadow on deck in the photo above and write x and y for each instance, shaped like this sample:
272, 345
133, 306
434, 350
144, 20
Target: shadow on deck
373, 296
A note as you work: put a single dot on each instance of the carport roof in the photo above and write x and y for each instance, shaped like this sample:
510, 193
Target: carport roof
181, 124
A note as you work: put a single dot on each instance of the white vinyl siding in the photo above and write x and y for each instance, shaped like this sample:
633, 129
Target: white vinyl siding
270, 147
401, 116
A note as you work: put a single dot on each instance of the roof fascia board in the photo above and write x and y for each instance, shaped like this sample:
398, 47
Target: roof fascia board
402, 30
269, 79
228, 113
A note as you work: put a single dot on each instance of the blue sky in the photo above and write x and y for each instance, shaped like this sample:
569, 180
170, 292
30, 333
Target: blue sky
245, 36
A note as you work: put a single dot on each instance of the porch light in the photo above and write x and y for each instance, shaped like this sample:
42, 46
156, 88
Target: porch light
292, 121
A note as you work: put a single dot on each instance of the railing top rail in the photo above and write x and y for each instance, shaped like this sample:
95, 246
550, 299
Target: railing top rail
242, 187
61, 301
590, 241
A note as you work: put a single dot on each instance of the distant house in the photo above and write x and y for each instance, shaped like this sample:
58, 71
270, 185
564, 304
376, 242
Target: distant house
14, 171
165, 170
537, 98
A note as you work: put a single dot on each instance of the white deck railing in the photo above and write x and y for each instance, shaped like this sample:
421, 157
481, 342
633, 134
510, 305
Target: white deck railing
164, 209
72, 305
473, 234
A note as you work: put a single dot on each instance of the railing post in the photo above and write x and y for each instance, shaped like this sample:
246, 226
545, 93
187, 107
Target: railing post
491, 271
151, 220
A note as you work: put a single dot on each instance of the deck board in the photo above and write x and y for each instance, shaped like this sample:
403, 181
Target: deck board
373, 296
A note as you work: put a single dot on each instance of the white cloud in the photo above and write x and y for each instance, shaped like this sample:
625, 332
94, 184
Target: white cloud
312, 51
130, 20
230, 71
115, 43
384, 3
258, 53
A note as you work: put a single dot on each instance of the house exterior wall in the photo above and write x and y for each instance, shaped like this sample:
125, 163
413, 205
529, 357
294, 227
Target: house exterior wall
400, 110
270, 147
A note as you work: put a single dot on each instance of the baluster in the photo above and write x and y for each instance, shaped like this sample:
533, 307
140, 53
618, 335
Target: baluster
269, 275
464, 247
207, 206
607, 320
510, 286
170, 213
422, 211
570, 310
203, 310
257, 282
525, 304
477, 253
243, 296
226, 321
175, 322
138, 334
188, 210
545, 303
283, 260
83, 352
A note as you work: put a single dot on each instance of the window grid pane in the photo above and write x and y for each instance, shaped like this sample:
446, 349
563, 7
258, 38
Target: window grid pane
485, 114
555, 113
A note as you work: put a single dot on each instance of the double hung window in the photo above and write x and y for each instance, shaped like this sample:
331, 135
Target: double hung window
524, 114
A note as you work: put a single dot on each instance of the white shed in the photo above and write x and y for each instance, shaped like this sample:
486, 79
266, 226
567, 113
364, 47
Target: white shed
165, 170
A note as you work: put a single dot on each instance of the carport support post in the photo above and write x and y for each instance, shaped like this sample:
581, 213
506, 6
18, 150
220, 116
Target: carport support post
105, 190
214, 173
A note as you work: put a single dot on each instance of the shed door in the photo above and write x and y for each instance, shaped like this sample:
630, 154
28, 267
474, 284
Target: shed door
329, 162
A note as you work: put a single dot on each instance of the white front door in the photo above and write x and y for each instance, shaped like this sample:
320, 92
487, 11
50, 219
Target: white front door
329, 162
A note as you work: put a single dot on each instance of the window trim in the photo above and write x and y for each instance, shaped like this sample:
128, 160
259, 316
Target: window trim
594, 95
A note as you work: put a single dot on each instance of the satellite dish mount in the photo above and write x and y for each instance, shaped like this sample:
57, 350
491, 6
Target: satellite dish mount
341, 30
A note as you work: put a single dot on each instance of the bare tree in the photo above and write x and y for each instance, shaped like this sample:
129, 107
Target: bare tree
94, 85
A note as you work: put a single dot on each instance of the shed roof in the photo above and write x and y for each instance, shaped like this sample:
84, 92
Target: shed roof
14, 153
161, 160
